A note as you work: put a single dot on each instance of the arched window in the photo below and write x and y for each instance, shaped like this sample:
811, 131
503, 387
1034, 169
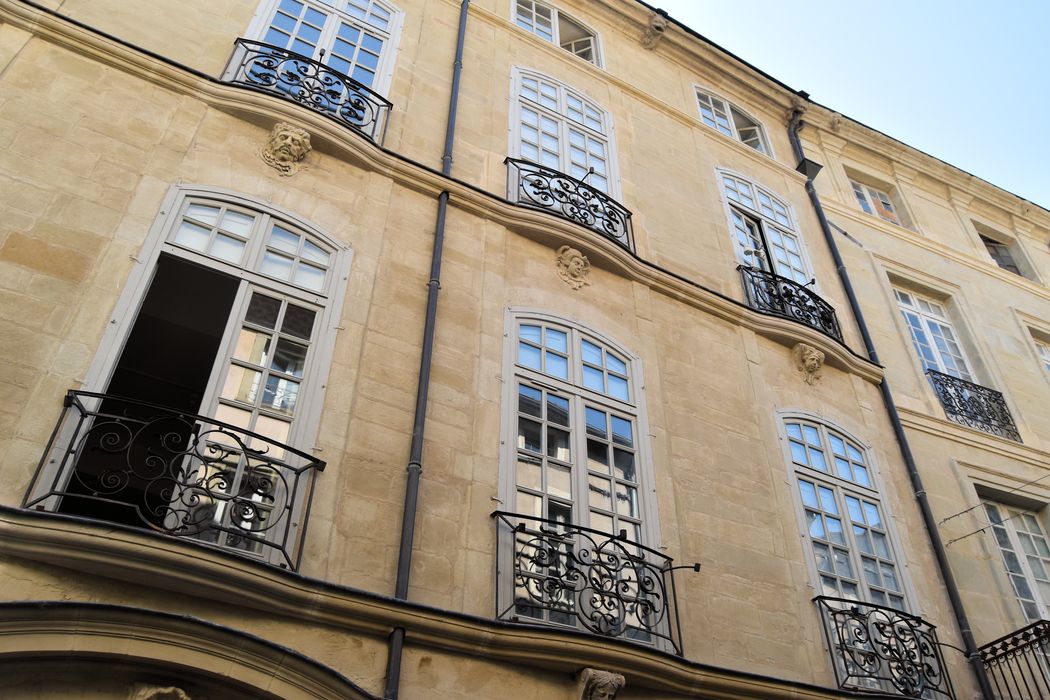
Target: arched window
763, 230
576, 486
558, 28
202, 404
731, 121
353, 37
557, 127
844, 520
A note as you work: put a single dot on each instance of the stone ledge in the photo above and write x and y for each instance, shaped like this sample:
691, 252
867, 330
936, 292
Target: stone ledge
167, 563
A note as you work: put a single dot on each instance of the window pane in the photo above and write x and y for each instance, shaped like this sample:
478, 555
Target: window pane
276, 266
193, 236
298, 321
242, 384
529, 436
559, 481
263, 310
529, 401
227, 248
557, 366
528, 356
289, 358
252, 346
280, 394
593, 379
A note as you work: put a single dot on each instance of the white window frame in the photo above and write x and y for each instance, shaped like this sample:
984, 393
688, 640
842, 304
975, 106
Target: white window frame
933, 319
556, 17
579, 397
729, 113
384, 72
841, 488
1042, 349
775, 219
328, 302
565, 124
1024, 562
866, 195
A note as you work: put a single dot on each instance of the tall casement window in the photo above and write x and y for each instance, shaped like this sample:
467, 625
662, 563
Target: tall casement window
211, 383
845, 523
557, 127
558, 28
932, 335
764, 235
1025, 554
353, 37
575, 479
731, 121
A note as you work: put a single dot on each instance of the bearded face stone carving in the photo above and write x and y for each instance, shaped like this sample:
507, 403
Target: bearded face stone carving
152, 692
286, 148
573, 267
808, 361
600, 685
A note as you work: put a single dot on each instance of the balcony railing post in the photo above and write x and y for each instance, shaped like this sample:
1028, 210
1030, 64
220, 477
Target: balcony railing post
301, 79
140, 464
973, 405
1019, 663
539, 187
568, 575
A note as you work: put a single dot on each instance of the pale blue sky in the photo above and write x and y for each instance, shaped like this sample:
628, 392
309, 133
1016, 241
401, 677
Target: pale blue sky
965, 81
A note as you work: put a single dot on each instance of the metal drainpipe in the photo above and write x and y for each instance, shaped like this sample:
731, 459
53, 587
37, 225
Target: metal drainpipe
415, 458
974, 656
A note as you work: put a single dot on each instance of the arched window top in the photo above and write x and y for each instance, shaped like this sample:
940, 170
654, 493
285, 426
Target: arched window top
758, 199
555, 26
579, 358
550, 95
815, 445
253, 237
734, 122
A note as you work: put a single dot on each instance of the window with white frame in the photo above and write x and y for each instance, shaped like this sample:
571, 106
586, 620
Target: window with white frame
1042, 347
574, 458
731, 121
558, 28
353, 37
561, 129
230, 320
764, 235
876, 202
845, 522
932, 335
1025, 554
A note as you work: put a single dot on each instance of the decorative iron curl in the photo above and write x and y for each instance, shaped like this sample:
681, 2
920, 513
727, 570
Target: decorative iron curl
973, 405
602, 581
879, 648
539, 187
772, 294
310, 83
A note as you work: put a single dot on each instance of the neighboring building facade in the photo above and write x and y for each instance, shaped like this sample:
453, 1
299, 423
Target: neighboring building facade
225, 228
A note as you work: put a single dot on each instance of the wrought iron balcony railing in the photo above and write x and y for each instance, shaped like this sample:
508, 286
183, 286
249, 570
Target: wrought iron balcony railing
1018, 664
564, 574
772, 294
532, 185
973, 405
881, 650
135, 463
311, 83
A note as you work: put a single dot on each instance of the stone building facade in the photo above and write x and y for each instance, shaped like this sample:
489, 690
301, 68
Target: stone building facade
435, 349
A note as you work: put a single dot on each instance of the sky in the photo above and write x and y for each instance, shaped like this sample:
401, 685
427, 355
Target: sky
967, 82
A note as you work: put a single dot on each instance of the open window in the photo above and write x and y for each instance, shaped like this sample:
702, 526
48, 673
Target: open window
208, 391
764, 234
555, 26
879, 199
1004, 250
732, 121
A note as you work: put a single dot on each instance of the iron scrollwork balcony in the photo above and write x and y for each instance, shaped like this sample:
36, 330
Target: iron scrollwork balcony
564, 574
882, 650
139, 464
538, 187
772, 294
311, 83
973, 405
1018, 664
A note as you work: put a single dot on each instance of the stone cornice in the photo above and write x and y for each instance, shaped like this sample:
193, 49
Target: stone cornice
146, 558
947, 430
920, 241
820, 117
327, 136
